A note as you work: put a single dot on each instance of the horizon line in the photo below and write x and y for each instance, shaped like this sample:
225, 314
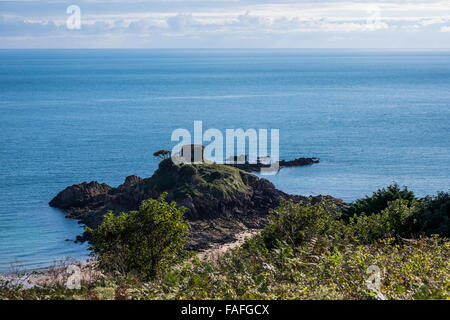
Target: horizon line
219, 48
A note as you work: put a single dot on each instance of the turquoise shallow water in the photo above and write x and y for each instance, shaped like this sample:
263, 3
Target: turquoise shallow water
68, 116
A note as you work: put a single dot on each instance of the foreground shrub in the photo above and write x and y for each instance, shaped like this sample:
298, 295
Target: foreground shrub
305, 252
413, 269
393, 221
397, 212
433, 215
410, 269
378, 201
141, 242
296, 223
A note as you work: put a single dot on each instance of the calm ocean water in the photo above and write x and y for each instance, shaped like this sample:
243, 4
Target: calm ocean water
75, 115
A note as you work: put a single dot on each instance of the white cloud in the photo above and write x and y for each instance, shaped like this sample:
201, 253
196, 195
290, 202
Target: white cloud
433, 20
181, 22
208, 21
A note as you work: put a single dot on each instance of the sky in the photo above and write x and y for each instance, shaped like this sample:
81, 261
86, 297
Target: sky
225, 24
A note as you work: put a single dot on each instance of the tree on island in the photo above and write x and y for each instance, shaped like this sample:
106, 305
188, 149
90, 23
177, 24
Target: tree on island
162, 154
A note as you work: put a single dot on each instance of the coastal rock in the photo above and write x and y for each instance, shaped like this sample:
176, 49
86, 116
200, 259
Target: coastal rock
132, 180
222, 200
256, 167
299, 162
80, 195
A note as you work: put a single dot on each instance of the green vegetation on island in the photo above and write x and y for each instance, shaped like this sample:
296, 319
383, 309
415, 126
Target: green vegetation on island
207, 181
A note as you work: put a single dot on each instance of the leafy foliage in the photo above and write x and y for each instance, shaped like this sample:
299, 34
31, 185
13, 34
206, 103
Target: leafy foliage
144, 241
305, 252
393, 221
297, 223
207, 180
378, 201
398, 212
433, 215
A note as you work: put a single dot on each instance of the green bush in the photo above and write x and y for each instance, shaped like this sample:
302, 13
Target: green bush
378, 201
296, 223
433, 215
377, 214
394, 221
142, 242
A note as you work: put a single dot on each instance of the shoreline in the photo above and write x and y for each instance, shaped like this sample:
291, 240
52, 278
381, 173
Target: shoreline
57, 274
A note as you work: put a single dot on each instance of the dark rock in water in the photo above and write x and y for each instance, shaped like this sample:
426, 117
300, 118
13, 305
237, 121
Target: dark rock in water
299, 162
256, 167
80, 195
225, 199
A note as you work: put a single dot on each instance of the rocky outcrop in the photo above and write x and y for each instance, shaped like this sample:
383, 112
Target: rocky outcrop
222, 200
298, 162
256, 167
88, 202
81, 195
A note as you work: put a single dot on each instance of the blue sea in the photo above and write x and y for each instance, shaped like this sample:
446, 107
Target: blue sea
68, 116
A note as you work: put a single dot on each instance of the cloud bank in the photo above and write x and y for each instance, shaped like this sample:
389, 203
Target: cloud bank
235, 24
